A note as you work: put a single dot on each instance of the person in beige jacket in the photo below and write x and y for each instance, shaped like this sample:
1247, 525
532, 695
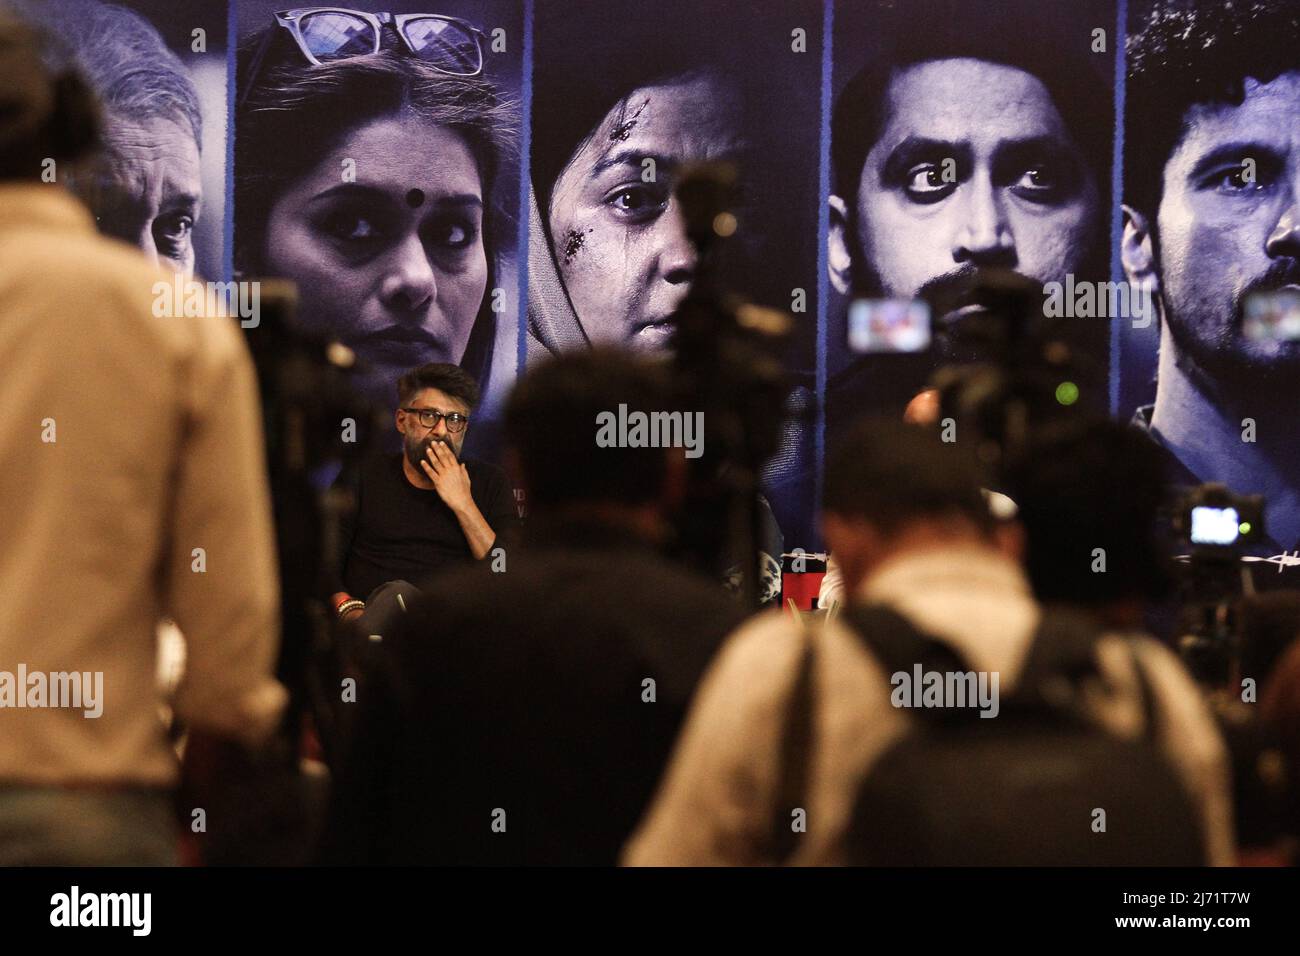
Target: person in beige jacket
910, 531
132, 489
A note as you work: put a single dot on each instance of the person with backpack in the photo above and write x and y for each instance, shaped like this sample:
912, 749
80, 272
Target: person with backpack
941, 717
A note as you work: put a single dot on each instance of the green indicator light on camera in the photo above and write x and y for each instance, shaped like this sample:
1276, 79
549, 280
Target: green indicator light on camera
1244, 527
1067, 393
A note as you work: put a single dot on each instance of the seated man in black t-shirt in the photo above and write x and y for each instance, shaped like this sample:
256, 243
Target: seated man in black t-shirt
423, 509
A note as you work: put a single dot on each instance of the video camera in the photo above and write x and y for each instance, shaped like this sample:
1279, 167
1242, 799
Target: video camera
308, 401
1007, 370
727, 363
1216, 526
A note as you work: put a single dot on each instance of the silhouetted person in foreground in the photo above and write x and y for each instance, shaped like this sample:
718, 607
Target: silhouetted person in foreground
134, 488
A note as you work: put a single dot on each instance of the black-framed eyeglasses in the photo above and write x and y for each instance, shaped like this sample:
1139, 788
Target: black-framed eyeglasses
448, 44
325, 34
429, 418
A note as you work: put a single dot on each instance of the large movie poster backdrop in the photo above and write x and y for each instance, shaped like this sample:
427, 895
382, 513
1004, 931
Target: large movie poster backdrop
624, 96
936, 137
386, 184
1212, 225
964, 135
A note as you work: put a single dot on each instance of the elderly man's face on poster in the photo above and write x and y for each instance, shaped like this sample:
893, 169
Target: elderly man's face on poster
149, 188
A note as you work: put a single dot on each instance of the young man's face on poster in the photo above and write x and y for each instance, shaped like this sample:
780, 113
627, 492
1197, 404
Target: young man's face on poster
620, 242
974, 167
1229, 225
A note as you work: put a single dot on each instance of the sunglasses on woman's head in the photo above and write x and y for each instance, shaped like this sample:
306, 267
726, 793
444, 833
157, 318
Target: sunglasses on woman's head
325, 34
446, 43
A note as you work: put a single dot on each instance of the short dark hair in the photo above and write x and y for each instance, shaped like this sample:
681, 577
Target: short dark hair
451, 379
551, 424
1182, 57
892, 473
44, 114
1040, 39
1085, 485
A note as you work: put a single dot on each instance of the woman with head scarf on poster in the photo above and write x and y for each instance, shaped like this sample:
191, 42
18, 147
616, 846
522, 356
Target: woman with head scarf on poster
617, 112
625, 96
368, 155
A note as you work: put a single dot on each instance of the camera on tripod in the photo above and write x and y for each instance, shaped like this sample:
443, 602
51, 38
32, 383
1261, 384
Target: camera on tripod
314, 422
1008, 370
1216, 526
727, 363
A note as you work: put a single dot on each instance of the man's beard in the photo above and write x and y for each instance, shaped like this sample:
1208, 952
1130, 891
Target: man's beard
957, 341
416, 449
1221, 357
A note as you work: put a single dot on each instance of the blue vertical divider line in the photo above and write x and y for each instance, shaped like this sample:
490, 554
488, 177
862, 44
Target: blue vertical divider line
228, 218
1117, 195
525, 178
823, 227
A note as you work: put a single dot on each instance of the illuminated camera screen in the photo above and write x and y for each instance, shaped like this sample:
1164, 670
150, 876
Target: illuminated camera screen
1214, 525
889, 325
1273, 316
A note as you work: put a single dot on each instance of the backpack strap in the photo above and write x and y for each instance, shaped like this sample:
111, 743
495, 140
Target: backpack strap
897, 643
1062, 654
1063, 646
